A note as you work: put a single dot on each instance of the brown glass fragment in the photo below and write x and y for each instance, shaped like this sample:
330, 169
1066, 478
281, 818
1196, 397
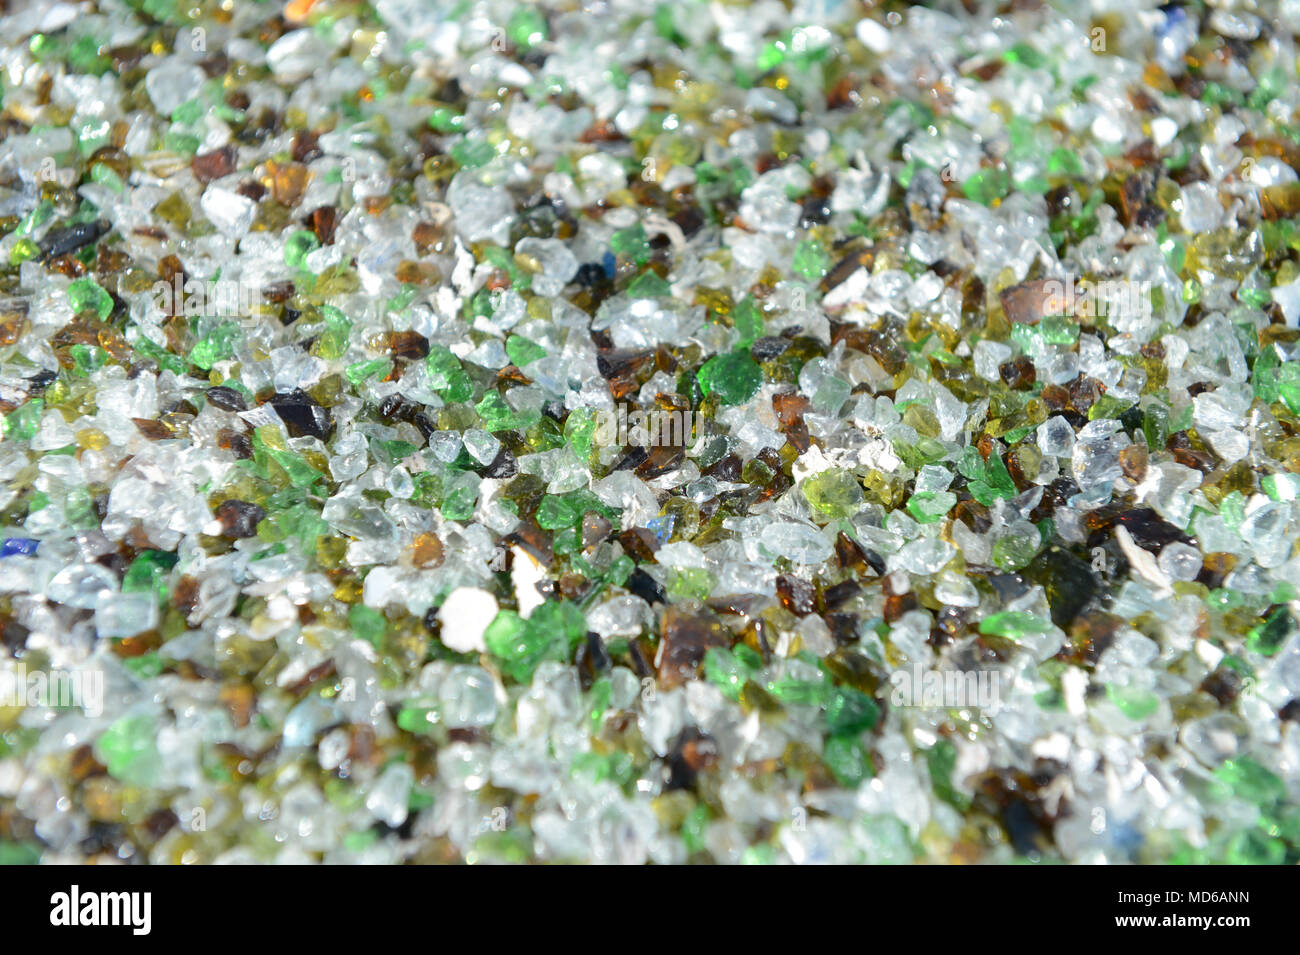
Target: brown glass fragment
687, 636
1018, 374
322, 222
639, 543
595, 529
797, 596
239, 519
1030, 302
214, 165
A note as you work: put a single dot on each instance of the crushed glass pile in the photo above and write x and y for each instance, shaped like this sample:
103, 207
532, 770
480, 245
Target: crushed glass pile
740, 432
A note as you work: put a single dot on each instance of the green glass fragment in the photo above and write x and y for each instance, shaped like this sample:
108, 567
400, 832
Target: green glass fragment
556, 512
649, 285
217, 345
987, 185
734, 377
848, 761
496, 414
85, 295
1134, 702
368, 624
728, 671
834, 492
1014, 624
632, 243
447, 376
1254, 847
19, 853
580, 431
363, 370
527, 27
1267, 638
927, 507
552, 632
21, 423
148, 572
850, 711
522, 351
941, 758
298, 246
128, 750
